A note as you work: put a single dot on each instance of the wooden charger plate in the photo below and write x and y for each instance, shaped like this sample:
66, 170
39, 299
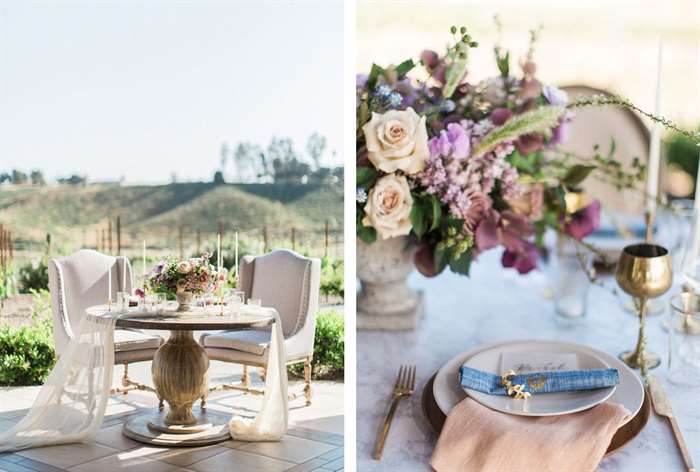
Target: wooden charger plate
436, 418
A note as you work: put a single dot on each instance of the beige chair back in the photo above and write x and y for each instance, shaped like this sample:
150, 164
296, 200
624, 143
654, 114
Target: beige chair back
592, 126
288, 282
79, 281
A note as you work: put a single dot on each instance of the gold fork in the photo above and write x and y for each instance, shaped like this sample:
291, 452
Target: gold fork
403, 387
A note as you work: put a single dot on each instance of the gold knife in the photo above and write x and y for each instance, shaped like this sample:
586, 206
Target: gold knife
662, 407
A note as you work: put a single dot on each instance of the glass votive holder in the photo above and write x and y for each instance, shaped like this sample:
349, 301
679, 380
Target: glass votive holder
570, 282
254, 302
684, 340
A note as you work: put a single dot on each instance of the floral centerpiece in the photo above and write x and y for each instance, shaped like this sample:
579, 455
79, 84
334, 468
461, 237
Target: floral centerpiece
184, 279
462, 167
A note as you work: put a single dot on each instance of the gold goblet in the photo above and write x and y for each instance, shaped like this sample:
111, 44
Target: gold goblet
643, 271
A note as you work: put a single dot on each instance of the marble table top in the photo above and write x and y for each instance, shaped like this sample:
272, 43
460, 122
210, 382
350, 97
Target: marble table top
495, 305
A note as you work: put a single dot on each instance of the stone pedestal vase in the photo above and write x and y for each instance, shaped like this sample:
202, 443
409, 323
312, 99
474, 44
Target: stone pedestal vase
184, 300
385, 302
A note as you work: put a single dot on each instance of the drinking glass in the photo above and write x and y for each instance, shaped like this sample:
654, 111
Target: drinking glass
691, 259
684, 340
571, 283
123, 301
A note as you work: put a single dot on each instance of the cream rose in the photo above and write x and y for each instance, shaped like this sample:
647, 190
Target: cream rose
397, 140
388, 208
184, 267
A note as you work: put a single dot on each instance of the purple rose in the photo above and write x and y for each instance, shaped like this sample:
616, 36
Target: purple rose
584, 221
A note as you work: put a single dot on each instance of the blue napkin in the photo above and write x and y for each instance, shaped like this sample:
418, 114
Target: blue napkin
540, 382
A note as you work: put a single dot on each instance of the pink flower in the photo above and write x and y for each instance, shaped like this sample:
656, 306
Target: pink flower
139, 293
529, 143
500, 116
523, 260
479, 208
508, 229
584, 221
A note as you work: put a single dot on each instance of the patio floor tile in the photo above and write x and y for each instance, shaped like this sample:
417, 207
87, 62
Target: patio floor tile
179, 456
129, 461
290, 449
113, 437
68, 455
240, 461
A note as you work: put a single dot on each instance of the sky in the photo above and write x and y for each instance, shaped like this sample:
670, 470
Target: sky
143, 89
608, 44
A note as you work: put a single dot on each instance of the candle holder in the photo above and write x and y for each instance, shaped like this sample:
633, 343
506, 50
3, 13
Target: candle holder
643, 271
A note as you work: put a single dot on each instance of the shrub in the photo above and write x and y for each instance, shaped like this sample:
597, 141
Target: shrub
34, 276
27, 353
329, 348
332, 277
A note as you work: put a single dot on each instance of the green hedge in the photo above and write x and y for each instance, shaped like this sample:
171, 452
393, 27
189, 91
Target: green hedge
332, 277
329, 348
27, 353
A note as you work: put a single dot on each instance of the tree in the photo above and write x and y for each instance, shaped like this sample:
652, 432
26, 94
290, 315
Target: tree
5, 177
315, 147
74, 180
37, 177
249, 162
19, 177
219, 178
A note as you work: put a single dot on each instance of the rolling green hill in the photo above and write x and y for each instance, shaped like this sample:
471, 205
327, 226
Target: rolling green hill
71, 214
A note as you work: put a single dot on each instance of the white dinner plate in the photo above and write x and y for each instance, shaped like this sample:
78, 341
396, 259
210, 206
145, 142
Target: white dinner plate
539, 404
448, 391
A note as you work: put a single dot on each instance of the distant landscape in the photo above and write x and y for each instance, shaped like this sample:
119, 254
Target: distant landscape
77, 216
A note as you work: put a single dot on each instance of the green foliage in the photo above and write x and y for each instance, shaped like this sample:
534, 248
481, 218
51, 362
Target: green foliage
27, 354
683, 153
540, 120
8, 282
329, 348
34, 276
332, 277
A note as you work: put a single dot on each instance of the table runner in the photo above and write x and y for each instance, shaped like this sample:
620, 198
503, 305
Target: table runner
70, 406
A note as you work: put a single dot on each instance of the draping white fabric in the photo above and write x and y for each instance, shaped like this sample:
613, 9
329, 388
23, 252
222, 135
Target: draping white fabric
271, 422
71, 404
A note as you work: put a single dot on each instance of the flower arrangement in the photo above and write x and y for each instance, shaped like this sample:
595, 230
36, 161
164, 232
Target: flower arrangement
194, 275
463, 167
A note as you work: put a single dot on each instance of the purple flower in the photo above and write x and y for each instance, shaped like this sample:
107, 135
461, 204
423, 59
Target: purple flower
523, 260
361, 80
584, 221
500, 115
508, 229
555, 96
453, 142
430, 58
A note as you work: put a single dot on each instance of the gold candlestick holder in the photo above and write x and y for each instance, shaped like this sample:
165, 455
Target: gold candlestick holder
644, 272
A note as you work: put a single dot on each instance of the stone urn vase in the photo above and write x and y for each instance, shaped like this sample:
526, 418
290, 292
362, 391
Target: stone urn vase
184, 300
385, 302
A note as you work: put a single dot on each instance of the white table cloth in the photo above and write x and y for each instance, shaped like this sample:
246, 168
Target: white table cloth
495, 305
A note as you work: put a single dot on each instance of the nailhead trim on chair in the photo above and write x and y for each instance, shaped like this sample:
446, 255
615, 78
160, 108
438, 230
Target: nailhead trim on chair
65, 321
304, 306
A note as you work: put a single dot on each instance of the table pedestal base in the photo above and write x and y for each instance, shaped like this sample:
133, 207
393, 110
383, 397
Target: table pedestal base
150, 428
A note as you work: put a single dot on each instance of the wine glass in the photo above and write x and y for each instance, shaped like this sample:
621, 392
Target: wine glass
643, 271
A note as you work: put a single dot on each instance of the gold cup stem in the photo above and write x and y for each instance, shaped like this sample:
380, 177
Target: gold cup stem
640, 351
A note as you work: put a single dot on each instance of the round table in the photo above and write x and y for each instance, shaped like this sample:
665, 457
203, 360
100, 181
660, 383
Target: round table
179, 371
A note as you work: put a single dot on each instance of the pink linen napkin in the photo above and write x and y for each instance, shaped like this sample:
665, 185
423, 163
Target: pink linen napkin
478, 439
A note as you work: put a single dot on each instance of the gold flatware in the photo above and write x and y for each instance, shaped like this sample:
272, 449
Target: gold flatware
405, 382
662, 407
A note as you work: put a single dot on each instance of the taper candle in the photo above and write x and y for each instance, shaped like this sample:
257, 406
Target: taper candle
654, 163
143, 260
696, 202
235, 256
109, 284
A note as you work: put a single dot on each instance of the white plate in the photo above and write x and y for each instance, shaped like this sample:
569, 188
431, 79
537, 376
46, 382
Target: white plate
448, 391
542, 404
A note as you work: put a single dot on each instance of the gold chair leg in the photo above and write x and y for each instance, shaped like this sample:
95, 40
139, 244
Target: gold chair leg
245, 379
125, 378
307, 380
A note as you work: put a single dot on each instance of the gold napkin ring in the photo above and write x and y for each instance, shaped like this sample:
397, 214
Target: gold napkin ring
516, 391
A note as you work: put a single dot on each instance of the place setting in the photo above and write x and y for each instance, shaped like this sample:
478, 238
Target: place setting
450, 168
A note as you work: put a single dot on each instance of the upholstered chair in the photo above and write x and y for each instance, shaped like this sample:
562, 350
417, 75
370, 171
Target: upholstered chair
289, 283
79, 281
595, 125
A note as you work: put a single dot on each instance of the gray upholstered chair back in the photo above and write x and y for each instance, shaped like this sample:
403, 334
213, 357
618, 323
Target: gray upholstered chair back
79, 281
288, 282
591, 126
